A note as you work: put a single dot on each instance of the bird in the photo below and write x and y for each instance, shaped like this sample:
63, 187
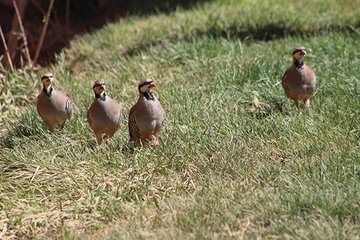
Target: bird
299, 81
53, 106
147, 116
104, 113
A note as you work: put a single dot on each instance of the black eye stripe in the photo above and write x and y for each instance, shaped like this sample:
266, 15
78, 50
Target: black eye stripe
98, 85
145, 83
298, 50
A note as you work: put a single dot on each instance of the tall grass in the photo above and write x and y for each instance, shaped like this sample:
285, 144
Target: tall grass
236, 159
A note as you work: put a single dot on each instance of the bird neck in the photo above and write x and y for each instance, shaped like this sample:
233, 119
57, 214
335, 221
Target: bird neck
299, 63
101, 96
48, 90
148, 95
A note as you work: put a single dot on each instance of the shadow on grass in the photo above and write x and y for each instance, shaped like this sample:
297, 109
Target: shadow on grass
30, 127
27, 126
266, 109
267, 32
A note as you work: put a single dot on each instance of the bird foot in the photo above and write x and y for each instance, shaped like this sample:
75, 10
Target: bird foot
154, 142
306, 103
296, 104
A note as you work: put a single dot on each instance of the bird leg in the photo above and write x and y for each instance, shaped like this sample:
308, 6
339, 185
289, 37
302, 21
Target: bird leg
62, 125
106, 145
306, 103
99, 139
51, 128
296, 104
136, 141
148, 137
105, 138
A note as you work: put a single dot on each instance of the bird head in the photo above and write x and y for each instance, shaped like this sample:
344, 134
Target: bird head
99, 87
299, 53
47, 79
146, 85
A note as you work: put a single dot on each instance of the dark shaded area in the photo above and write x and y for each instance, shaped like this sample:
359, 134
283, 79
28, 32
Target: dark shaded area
266, 32
21, 129
267, 108
71, 17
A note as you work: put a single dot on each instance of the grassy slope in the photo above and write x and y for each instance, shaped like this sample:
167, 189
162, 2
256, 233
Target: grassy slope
227, 167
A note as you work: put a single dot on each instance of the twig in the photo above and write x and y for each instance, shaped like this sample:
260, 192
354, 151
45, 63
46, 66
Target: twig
12, 41
43, 31
27, 53
56, 26
6, 50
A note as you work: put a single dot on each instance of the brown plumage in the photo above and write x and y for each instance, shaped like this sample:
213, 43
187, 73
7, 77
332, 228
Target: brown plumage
104, 113
54, 106
299, 80
146, 117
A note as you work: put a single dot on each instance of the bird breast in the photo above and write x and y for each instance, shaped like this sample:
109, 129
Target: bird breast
53, 105
151, 113
105, 112
303, 78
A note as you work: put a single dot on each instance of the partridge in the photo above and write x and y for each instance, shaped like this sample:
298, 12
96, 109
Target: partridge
104, 114
146, 117
299, 80
53, 106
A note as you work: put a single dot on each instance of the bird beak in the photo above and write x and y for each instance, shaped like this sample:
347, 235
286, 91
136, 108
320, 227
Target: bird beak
152, 85
303, 52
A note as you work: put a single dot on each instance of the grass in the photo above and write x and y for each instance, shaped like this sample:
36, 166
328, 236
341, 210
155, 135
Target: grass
228, 166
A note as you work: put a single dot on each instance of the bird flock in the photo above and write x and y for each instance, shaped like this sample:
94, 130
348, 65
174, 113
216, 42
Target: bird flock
147, 116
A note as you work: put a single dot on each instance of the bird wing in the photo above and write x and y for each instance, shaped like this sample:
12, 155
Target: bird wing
284, 83
117, 108
284, 76
68, 107
120, 114
63, 92
68, 102
88, 116
134, 130
38, 106
310, 77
